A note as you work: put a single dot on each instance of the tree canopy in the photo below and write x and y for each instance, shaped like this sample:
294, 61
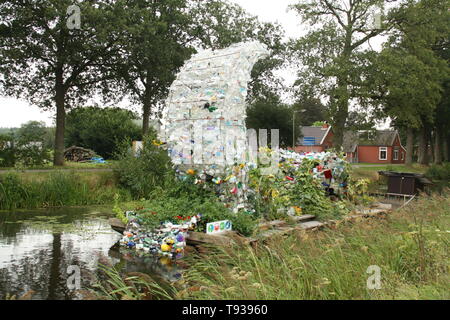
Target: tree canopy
101, 129
49, 64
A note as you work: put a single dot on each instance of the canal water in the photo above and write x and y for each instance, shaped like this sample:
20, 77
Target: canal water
42, 250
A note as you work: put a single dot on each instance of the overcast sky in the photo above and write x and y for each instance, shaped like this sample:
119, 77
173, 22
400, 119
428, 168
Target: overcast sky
15, 112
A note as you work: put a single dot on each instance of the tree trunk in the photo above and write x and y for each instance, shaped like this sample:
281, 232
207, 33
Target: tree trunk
409, 146
430, 147
437, 147
341, 114
58, 159
146, 117
422, 152
445, 148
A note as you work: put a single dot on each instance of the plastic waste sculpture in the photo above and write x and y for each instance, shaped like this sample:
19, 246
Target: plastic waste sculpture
204, 120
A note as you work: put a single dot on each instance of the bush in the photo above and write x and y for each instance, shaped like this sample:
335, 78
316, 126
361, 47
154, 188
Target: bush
142, 174
7, 154
30, 144
183, 199
439, 172
100, 129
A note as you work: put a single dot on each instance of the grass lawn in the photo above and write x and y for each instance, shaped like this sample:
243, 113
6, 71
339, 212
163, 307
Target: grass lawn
415, 168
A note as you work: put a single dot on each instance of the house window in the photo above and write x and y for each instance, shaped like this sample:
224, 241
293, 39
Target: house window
403, 156
383, 153
395, 154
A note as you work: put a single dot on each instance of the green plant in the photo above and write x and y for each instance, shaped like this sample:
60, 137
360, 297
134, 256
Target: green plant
58, 188
439, 172
118, 211
410, 246
117, 286
182, 199
100, 129
7, 150
357, 191
30, 146
143, 173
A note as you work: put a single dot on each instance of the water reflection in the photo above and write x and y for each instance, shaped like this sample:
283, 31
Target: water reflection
36, 248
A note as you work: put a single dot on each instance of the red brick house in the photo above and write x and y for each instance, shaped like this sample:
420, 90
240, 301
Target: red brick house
381, 146
315, 139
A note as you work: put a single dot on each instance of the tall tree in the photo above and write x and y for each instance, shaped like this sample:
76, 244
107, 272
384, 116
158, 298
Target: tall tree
50, 59
271, 113
331, 53
314, 111
154, 44
161, 35
408, 74
221, 23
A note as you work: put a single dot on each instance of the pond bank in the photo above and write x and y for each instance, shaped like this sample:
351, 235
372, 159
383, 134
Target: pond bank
37, 247
33, 190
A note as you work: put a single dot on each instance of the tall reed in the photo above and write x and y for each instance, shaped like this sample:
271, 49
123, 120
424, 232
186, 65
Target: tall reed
410, 247
55, 189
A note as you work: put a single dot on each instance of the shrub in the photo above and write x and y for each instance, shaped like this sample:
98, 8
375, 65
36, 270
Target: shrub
30, 144
7, 154
439, 172
142, 174
182, 199
101, 129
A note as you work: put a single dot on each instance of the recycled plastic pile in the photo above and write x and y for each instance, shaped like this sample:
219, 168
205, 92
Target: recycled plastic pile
167, 240
329, 166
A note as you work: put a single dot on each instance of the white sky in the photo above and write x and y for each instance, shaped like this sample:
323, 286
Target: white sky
15, 112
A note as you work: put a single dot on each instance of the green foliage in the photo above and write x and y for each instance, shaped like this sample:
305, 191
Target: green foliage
274, 194
7, 152
220, 23
101, 129
57, 189
410, 247
272, 114
358, 190
120, 214
50, 65
318, 123
309, 194
314, 112
139, 286
331, 54
142, 174
439, 172
183, 199
30, 144
154, 43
